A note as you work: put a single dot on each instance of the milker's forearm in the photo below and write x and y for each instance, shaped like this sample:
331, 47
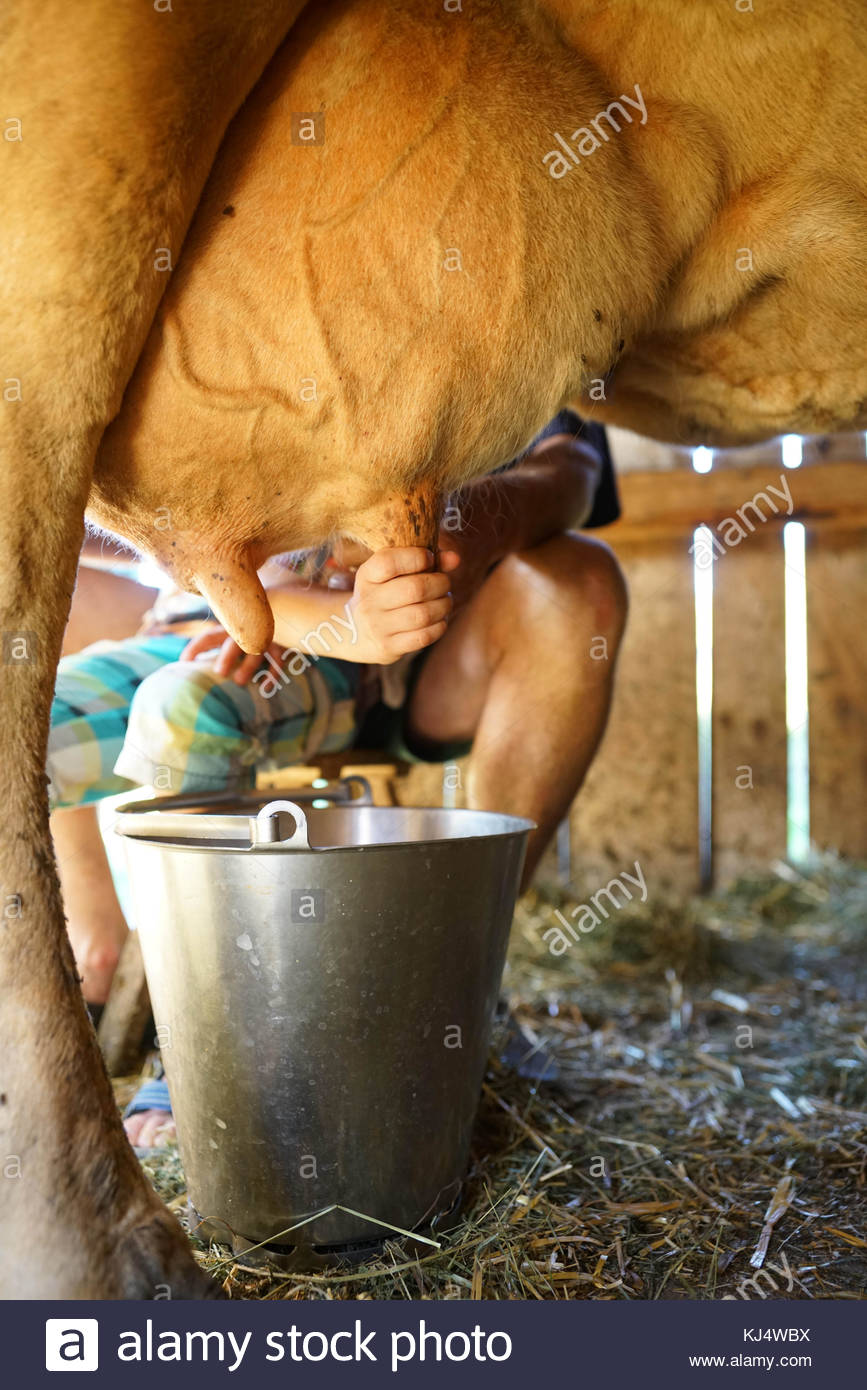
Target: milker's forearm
551, 491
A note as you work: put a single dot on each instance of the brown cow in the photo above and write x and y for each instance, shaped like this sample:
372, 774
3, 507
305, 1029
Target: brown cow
509, 202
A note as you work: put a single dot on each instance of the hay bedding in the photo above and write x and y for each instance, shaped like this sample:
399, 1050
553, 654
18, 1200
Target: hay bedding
673, 1156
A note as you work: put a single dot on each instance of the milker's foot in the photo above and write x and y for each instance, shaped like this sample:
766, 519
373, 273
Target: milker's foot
148, 1118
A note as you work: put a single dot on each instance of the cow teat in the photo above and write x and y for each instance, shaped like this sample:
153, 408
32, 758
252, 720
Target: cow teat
236, 596
408, 517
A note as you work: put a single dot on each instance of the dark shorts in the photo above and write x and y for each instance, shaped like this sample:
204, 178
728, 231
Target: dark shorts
386, 728
606, 502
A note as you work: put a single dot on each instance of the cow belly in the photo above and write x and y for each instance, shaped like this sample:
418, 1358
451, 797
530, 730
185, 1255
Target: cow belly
736, 386
763, 334
397, 305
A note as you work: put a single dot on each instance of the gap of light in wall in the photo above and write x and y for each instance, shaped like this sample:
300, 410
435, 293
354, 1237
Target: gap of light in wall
149, 573
702, 459
797, 710
702, 582
793, 450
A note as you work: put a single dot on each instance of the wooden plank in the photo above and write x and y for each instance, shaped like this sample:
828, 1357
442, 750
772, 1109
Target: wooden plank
837, 664
632, 453
635, 453
380, 776
768, 454
640, 798
823, 448
422, 786
658, 504
291, 778
749, 708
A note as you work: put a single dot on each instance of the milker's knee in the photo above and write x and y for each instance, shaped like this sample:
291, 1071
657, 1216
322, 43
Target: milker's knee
573, 578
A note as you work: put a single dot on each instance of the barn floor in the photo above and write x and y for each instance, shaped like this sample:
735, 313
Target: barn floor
710, 1103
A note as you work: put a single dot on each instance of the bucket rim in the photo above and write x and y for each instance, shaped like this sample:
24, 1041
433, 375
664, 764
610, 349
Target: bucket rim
502, 826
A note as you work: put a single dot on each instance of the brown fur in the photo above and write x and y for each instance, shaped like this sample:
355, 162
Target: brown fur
330, 270
330, 267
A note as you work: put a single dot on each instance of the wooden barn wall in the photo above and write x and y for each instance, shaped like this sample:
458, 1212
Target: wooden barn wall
749, 707
639, 801
641, 797
655, 694
837, 654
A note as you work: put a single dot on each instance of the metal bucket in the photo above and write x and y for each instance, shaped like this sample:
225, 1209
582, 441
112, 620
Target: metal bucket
323, 981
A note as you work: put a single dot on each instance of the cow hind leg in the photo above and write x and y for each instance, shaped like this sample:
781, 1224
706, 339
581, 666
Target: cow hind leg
77, 1217
100, 179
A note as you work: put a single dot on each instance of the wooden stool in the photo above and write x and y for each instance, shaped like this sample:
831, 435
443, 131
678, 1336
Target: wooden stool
381, 775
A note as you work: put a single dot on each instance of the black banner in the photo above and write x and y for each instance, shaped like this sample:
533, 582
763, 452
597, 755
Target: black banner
432, 1344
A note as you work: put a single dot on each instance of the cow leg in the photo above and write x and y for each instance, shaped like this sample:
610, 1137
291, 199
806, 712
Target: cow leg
114, 113
77, 1217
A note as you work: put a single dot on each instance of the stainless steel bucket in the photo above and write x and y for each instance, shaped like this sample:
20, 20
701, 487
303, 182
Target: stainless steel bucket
323, 981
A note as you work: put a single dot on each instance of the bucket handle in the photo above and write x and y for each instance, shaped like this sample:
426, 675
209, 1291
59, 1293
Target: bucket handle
265, 828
